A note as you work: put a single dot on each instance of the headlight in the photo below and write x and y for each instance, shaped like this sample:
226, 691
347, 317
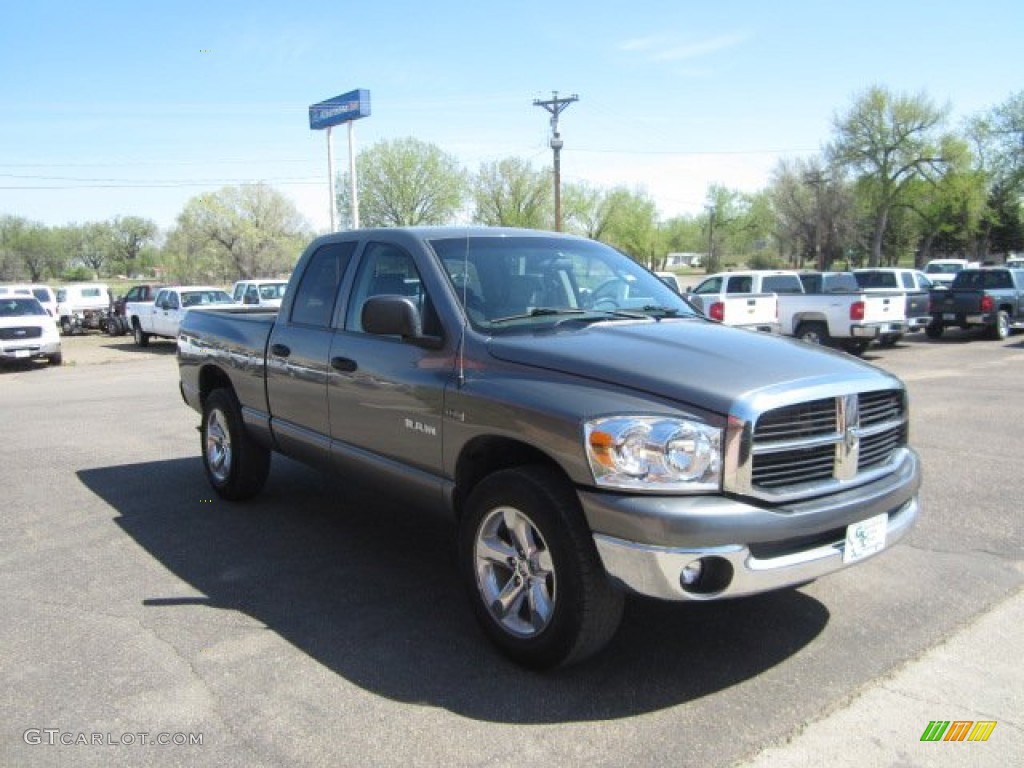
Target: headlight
654, 453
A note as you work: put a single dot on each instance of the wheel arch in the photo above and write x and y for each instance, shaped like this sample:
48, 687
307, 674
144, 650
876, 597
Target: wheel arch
212, 377
485, 455
809, 317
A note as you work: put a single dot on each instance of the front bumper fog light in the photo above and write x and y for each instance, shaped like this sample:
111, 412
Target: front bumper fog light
706, 575
690, 574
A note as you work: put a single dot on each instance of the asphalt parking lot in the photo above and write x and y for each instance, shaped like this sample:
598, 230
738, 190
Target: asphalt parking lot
319, 625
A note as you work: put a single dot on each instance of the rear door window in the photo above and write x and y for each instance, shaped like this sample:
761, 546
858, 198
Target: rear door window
318, 289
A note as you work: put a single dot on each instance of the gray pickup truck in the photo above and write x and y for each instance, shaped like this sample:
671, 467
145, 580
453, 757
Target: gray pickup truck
591, 433
991, 298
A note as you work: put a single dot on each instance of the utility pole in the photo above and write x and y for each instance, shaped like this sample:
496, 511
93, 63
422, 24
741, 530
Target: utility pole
556, 106
711, 266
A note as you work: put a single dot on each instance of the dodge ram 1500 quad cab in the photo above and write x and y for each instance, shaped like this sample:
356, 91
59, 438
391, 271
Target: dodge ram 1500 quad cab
591, 433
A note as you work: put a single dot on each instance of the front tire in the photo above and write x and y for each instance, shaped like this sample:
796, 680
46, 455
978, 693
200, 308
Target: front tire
531, 569
236, 465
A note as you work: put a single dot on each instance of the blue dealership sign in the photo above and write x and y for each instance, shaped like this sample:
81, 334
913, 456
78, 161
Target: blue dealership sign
341, 109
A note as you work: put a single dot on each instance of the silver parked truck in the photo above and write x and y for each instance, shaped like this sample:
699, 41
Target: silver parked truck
591, 432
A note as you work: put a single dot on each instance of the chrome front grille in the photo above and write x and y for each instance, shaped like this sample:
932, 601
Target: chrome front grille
21, 332
818, 446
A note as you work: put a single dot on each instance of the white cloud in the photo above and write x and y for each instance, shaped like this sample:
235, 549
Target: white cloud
663, 48
701, 48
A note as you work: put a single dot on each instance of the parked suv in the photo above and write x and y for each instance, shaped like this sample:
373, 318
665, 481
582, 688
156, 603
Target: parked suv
26, 330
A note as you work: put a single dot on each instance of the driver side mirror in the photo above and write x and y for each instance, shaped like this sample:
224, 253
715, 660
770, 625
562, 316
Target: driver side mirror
391, 315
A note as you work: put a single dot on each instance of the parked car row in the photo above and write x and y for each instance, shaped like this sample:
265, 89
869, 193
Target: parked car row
155, 311
852, 310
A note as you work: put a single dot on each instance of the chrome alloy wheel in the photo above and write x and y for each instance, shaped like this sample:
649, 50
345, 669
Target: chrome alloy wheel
515, 573
218, 446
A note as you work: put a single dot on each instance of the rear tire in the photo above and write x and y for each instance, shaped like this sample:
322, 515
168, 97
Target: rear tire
1000, 330
813, 333
236, 465
532, 572
933, 330
141, 337
55, 359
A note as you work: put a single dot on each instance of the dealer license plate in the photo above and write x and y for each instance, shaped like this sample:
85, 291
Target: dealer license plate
21, 353
948, 316
865, 538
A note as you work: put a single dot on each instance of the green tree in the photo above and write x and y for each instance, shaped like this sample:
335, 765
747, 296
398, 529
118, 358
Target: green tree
815, 212
683, 234
998, 141
950, 211
404, 182
1003, 132
511, 193
724, 208
88, 246
588, 210
255, 230
886, 141
129, 236
26, 249
631, 225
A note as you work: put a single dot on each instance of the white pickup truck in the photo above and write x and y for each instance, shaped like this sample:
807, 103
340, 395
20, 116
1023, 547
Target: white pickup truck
728, 297
842, 314
162, 316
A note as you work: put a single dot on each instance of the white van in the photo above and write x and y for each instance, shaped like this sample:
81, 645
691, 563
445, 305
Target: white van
82, 305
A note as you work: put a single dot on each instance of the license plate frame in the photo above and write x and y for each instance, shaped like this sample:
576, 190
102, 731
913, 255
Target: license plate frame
865, 538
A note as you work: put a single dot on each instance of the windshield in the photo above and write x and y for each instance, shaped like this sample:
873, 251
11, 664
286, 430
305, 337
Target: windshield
20, 307
200, 298
876, 279
507, 282
943, 269
272, 290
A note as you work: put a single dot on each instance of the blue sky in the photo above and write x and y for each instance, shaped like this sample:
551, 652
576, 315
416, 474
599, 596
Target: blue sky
133, 108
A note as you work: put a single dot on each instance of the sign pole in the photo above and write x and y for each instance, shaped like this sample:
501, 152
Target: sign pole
354, 195
330, 175
346, 108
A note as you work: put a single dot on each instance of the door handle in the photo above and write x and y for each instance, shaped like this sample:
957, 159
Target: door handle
343, 364
280, 350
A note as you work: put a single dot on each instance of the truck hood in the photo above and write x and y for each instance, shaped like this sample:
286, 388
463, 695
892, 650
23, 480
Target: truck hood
703, 364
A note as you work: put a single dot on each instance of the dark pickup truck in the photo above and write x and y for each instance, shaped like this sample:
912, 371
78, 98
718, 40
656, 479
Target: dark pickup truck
589, 431
991, 298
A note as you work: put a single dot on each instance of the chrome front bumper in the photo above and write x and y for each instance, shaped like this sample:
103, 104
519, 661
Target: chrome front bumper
656, 571
646, 542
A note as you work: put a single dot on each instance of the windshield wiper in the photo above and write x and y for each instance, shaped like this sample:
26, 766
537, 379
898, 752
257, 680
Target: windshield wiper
665, 311
538, 312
